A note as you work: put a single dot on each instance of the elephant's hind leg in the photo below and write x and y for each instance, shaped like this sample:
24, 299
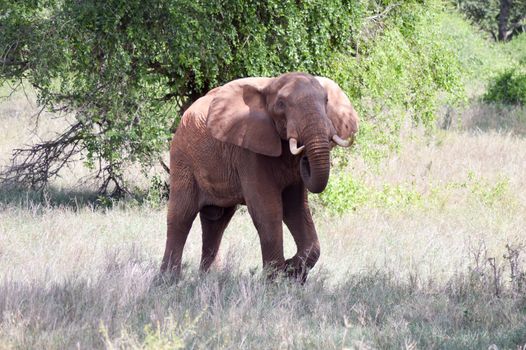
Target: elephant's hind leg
182, 210
214, 221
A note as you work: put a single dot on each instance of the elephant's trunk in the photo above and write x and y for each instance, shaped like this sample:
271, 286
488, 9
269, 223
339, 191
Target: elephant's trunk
315, 164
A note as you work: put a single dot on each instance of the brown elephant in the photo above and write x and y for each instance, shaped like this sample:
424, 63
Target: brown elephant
238, 144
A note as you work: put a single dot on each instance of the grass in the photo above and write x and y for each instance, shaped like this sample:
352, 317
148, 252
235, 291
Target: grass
86, 277
432, 256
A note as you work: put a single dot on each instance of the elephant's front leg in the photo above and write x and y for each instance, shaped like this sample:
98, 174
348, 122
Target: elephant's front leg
266, 209
297, 217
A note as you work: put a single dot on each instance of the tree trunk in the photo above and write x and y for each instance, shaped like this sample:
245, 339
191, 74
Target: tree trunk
503, 19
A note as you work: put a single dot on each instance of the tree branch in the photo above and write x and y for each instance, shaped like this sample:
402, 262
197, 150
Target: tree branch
382, 14
163, 164
35, 165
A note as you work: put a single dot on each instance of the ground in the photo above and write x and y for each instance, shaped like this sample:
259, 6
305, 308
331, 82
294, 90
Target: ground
430, 254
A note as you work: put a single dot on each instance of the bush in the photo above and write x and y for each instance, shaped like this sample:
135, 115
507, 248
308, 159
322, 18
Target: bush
406, 71
516, 49
508, 87
343, 194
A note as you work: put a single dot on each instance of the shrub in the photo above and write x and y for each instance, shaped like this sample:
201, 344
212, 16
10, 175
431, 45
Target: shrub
508, 87
405, 71
344, 193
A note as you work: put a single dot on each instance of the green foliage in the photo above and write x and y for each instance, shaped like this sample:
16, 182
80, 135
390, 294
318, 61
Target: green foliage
155, 340
405, 70
345, 193
169, 335
516, 49
488, 192
508, 87
491, 73
478, 57
482, 61
125, 69
158, 191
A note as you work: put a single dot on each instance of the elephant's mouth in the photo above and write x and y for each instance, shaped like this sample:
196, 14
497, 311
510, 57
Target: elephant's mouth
305, 167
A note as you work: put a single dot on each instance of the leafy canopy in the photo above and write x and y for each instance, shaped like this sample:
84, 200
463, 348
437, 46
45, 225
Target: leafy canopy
125, 68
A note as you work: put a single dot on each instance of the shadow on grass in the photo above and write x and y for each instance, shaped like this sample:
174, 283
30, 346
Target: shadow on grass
482, 116
50, 197
71, 198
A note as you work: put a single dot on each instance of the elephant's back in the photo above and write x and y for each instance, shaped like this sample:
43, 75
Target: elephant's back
192, 136
211, 162
194, 118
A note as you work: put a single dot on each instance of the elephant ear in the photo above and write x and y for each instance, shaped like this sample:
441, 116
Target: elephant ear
238, 115
339, 109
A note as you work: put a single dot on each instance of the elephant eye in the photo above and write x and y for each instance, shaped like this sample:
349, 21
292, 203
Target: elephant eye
280, 104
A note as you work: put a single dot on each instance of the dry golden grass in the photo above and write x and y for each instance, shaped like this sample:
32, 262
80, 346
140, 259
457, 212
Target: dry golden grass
433, 273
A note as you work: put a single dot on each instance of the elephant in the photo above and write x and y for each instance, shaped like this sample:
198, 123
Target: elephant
260, 142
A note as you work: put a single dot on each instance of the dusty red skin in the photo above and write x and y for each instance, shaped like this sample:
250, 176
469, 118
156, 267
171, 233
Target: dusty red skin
232, 148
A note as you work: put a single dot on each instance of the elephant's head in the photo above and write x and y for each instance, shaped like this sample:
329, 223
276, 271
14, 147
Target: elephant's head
310, 112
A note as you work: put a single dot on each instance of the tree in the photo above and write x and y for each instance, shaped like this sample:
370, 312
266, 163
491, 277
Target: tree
125, 69
501, 18
122, 71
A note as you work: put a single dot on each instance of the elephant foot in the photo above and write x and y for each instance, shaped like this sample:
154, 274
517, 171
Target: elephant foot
168, 274
273, 272
296, 269
164, 279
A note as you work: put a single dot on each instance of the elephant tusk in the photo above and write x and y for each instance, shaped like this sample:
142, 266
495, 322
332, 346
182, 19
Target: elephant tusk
293, 143
341, 142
